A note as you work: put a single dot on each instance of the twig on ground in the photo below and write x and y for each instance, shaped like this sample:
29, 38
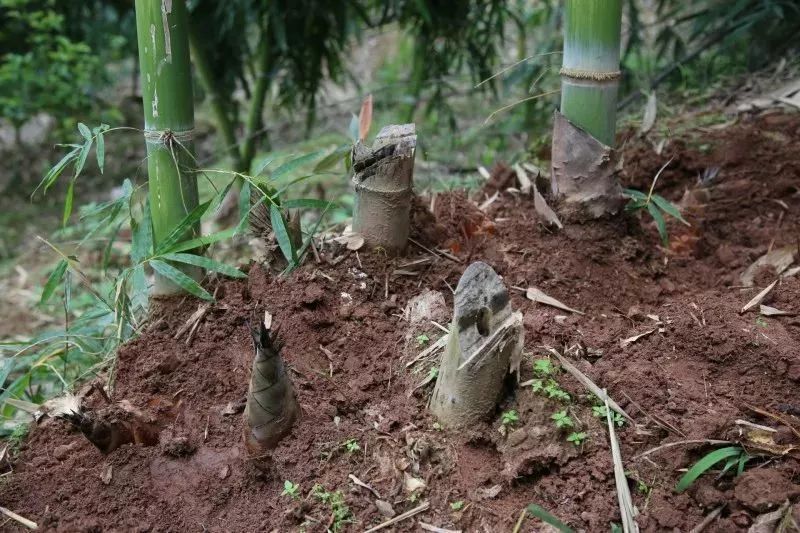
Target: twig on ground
710, 517
627, 510
400, 517
20, 519
429, 527
681, 442
518, 525
656, 419
361, 484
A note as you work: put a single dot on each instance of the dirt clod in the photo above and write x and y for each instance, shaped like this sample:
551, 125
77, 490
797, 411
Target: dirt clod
764, 489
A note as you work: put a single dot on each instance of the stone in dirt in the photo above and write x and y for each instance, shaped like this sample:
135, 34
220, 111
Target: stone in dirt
763, 489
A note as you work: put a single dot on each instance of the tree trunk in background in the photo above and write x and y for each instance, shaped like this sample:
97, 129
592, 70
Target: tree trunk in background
162, 30
485, 342
383, 179
583, 134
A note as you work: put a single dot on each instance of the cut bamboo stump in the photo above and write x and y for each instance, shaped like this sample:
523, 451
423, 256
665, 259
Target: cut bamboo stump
484, 344
383, 179
271, 408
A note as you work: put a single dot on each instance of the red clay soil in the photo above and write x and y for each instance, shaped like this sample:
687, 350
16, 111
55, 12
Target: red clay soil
702, 366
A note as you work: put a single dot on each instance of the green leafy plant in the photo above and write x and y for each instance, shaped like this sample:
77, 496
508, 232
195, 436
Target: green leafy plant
545, 383
423, 339
433, 373
509, 418
562, 419
339, 509
543, 367
600, 411
351, 446
655, 205
457, 505
546, 517
291, 489
577, 438
732, 455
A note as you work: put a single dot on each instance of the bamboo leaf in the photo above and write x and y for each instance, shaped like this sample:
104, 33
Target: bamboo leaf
282, 234
547, 518
85, 131
333, 158
309, 203
53, 174
81, 162
669, 208
353, 128
244, 200
293, 165
704, 464
100, 151
16, 388
206, 263
264, 164
8, 366
633, 193
53, 280
179, 231
142, 236
203, 241
68, 203
180, 279
661, 224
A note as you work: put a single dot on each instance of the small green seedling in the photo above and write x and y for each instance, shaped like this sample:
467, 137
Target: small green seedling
341, 514
577, 438
433, 373
457, 506
543, 367
761, 322
437, 426
509, 418
423, 339
732, 455
562, 419
655, 205
600, 411
291, 489
351, 445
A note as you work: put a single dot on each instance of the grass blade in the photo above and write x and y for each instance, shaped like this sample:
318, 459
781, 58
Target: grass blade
669, 208
206, 263
661, 224
701, 466
310, 203
180, 279
293, 165
547, 518
53, 280
282, 234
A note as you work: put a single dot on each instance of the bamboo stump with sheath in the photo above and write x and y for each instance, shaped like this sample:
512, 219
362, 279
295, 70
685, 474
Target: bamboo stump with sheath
484, 344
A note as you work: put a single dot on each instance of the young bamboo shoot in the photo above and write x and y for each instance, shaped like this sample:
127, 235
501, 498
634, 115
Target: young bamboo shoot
271, 405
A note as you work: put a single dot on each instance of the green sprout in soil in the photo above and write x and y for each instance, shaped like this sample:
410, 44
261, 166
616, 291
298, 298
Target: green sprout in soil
544, 382
600, 411
457, 506
351, 445
655, 205
437, 426
761, 322
732, 455
562, 419
577, 438
341, 513
16, 438
423, 339
509, 418
433, 373
291, 489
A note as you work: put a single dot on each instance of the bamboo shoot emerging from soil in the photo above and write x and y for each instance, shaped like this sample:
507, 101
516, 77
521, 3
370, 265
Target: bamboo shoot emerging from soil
383, 179
485, 341
583, 133
271, 405
162, 30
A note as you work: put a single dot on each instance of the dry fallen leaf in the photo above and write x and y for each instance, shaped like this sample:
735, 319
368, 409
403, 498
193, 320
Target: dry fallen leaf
353, 241
538, 296
413, 484
365, 118
780, 259
107, 475
623, 343
650, 110
771, 311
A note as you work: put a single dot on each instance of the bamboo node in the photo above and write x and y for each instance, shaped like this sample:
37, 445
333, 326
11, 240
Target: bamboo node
167, 136
589, 74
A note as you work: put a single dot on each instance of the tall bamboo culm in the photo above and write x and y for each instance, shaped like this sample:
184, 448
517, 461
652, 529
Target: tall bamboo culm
590, 70
162, 27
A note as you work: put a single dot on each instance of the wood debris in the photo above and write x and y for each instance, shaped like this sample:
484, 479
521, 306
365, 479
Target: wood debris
758, 297
535, 295
399, 518
30, 524
766, 310
780, 259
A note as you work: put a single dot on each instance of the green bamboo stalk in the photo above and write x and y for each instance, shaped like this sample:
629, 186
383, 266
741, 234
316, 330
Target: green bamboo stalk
590, 71
255, 118
162, 30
